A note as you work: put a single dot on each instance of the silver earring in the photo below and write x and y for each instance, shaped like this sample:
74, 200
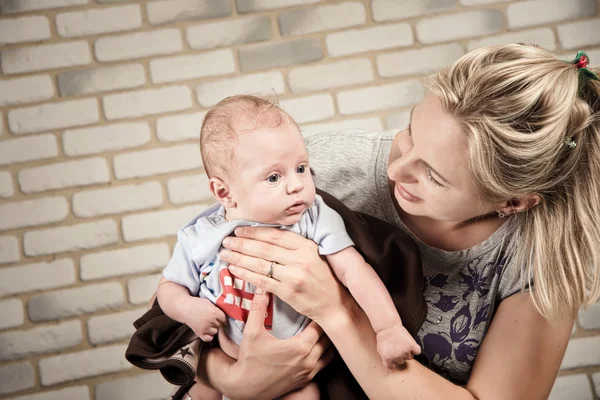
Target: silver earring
501, 214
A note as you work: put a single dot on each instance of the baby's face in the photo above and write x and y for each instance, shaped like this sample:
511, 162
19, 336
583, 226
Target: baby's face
273, 183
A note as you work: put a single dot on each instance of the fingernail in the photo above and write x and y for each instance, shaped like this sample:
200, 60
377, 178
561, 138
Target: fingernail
259, 291
233, 268
225, 254
240, 231
226, 242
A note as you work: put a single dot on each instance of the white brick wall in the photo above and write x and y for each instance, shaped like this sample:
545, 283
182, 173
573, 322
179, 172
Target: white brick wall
101, 103
83, 364
70, 238
64, 175
40, 340
131, 260
39, 58
72, 302
24, 29
113, 19
147, 102
37, 276
53, 116
78, 142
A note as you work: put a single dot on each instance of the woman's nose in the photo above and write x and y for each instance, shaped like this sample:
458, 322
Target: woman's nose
402, 170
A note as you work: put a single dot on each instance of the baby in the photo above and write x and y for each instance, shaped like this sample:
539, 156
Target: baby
257, 164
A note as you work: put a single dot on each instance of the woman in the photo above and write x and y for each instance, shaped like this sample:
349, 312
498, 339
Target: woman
496, 179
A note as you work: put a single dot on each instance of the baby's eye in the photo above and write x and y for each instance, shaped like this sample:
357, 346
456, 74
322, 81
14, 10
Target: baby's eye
301, 169
273, 178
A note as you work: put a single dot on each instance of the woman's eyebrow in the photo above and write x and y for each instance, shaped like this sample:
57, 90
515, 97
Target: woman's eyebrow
424, 162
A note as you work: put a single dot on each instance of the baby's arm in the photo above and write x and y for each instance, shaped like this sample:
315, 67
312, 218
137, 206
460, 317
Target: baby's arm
203, 317
394, 343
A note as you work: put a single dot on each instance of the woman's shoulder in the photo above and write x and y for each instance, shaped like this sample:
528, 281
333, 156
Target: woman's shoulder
352, 137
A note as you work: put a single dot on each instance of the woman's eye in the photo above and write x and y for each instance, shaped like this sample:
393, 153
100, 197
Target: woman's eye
273, 178
301, 169
432, 179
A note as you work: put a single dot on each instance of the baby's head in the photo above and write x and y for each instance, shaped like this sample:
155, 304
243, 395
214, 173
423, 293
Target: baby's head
256, 161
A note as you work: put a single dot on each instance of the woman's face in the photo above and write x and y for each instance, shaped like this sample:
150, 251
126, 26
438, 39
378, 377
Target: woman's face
430, 167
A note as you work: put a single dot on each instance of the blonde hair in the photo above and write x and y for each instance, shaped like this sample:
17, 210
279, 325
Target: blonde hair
518, 105
230, 117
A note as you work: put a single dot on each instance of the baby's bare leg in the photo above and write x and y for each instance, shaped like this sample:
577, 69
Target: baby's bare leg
308, 392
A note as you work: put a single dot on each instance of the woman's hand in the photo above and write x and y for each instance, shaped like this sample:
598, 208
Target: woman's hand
300, 277
267, 367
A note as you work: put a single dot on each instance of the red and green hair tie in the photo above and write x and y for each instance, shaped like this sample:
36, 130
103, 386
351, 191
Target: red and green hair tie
582, 61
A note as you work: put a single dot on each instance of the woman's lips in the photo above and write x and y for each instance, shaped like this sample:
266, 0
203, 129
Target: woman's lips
400, 191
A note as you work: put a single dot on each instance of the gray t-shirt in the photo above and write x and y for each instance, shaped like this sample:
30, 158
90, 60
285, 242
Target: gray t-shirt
196, 264
463, 288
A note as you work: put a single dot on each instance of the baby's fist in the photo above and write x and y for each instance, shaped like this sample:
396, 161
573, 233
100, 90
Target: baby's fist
396, 346
204, 318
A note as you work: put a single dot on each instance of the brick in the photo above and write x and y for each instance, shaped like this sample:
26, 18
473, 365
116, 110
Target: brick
422, 61
386, 10
44, 57
171, 69
16, 377
397, 120
72, 302
527, 13
71, 238
382, 97
280, 54
131, 260
577, 34
322, 18
44, 117
64, 175
9, 249
113, 327
97, 80
117, 199
39, 340
459, 26
101, 20
24, 29
569, 387
37, 276
179, 127
210, 93
146, 102
71, 393
479, 2
141, 289
25, 90
160, 12
28, 148
148, 386
111, 1
370, 124
543, 37
582, 352
590, 318
1, 125
227, 33
309, 109
367, 39
13, 6
6, 184
247, 6
157, 224
189, 189
99, 139
83, 364
12, 314
33, 212
157, 161
330, 76
138, 45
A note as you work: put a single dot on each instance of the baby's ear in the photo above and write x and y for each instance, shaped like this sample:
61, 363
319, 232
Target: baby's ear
220, 191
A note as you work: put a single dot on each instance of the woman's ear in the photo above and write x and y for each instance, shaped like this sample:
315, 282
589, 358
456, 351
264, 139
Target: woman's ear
519, 204
220, 191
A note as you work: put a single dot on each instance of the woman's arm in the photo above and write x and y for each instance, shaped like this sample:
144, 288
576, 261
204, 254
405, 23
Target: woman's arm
518, 359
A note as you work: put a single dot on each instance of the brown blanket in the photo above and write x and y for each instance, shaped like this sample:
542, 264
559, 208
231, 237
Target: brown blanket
171, 347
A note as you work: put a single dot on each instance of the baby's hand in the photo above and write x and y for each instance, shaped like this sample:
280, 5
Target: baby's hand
204, 318
396, 346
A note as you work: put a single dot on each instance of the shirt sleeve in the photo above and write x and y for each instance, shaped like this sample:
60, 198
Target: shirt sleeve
329, 229
181, 268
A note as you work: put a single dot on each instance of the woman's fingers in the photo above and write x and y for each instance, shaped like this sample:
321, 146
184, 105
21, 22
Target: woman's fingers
260, 281
323, 361
257, 265
257, 249
258, 310
279, 237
